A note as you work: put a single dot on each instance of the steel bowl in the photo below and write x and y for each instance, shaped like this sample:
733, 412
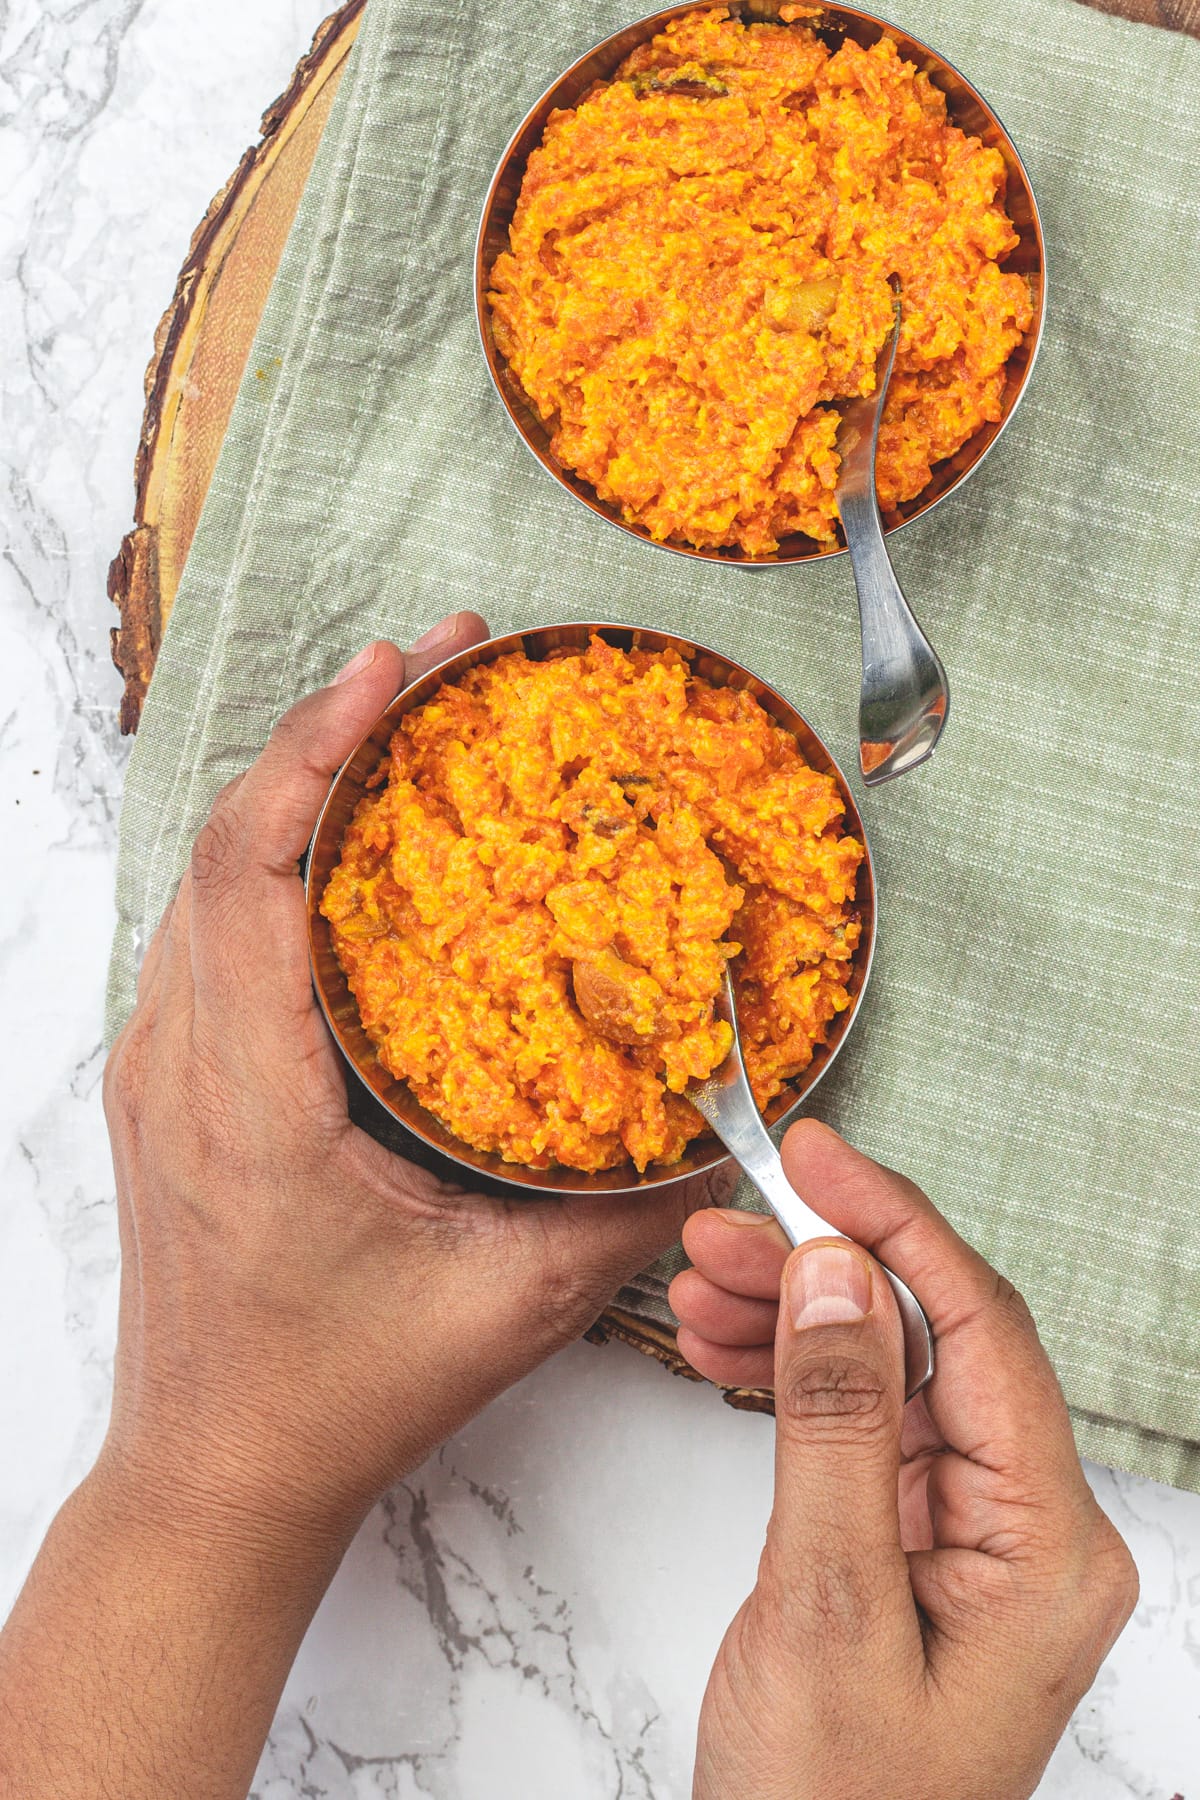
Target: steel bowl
967, 109
424, 1138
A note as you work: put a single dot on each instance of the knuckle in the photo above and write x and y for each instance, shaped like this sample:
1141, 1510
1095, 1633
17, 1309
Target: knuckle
713, 1187
1090, 1584
124, 1082
225, 794
1011, 1303
564, 1309
837, 1392
294, 736
215, 851
128, 1084
766, 1638
209, 1109
1118, 1586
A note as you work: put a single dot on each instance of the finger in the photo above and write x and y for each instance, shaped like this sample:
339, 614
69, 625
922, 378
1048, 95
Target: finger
727, 1366
962, 1505
920, 1434
1062, 1609
738, 1250
916, 1524
834, 1539
994, 1396
249, 952
457, 631
721, 1317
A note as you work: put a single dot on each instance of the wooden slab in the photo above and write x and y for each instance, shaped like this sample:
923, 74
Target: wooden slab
200, 351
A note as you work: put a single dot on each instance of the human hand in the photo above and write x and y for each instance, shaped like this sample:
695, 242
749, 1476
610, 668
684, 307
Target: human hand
304, 1316
938, 1586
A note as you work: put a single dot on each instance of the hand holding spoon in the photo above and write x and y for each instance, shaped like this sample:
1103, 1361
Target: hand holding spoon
905, 696
727, 1103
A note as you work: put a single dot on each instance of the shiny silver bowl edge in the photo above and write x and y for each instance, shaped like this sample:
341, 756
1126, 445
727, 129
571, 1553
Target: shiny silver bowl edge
967, 108
426, 1133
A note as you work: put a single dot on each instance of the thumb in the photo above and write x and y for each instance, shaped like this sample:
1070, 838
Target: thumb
282, 792
834, 1540
248, 950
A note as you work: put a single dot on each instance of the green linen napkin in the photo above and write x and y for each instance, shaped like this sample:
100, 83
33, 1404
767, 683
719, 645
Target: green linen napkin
1029, 1047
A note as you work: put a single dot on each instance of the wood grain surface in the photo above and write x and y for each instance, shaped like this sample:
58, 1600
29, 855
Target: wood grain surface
200, 351
1172, 15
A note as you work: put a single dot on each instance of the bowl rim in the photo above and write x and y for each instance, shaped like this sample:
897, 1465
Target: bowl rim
417, 1122
590, 500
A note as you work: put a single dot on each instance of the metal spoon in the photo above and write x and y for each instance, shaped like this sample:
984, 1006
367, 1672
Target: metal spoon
729, 1106
905, 696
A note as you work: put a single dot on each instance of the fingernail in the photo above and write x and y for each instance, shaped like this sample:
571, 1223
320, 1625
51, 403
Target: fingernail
737, 1215
829, 1284
356, 665
441, 633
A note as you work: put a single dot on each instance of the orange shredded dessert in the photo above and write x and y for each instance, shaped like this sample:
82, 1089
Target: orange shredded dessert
591, 838
699, 267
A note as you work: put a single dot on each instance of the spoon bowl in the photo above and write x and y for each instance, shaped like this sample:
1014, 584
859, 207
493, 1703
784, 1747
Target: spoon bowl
905, 698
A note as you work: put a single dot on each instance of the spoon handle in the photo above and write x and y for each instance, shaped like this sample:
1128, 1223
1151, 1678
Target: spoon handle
761, 1161
800, 1223
727, 1101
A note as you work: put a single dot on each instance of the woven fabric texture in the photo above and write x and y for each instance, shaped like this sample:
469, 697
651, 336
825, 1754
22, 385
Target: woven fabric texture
1030, 1046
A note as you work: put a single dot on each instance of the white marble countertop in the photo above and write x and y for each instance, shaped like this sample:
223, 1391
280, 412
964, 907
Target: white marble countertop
533, 1614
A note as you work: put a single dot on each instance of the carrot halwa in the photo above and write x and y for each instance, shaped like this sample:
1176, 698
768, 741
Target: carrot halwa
600, 828
699, 267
